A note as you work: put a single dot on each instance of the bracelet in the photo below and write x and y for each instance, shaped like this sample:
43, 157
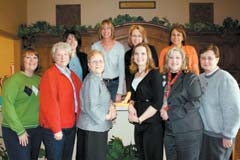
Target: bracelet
131, 102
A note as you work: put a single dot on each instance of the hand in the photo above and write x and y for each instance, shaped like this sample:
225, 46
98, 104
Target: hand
23, 139
113, 112
227, 143
164, 114
131, 110
132, 118
118, 98
58, 135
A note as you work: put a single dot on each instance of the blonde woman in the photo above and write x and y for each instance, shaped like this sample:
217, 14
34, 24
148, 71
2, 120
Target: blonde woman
59, 104
113, 52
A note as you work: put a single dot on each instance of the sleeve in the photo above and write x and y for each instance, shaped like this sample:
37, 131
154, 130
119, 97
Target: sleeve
121, 67
128, 75
229, 97
188, 100
157, 90
194, 59
162, 58
92, 106
154, 55
9, 93
49, 104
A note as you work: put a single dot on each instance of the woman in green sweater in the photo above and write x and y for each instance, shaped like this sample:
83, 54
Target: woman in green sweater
21, 134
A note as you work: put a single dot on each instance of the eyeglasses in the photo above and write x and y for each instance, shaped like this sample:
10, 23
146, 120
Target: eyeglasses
136, 36
207, 58
97, 62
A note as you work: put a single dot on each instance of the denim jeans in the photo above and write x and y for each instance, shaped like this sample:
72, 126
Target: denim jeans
112, 87
59, 149
15, 150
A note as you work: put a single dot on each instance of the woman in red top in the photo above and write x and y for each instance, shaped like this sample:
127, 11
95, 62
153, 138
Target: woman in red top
177, 38
59, 105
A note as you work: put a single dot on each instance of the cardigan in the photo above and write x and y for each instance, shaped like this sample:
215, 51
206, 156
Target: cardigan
57, 107
191, 55
149, 92
20, 108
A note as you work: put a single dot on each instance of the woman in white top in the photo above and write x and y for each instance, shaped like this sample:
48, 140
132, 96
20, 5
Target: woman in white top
113, 52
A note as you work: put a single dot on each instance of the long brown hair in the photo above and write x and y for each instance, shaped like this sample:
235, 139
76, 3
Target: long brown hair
150, 62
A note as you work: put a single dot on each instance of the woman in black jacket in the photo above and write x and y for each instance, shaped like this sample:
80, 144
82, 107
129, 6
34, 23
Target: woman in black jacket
183, 124
146, 101
78, 62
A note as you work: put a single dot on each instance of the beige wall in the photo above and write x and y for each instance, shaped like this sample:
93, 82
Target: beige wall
94, 11
12, 14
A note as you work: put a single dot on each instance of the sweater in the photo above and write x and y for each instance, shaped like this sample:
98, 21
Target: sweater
20, 108
114, 63
220, 104
57, 105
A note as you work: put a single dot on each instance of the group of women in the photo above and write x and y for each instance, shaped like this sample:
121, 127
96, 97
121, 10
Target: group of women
194, 116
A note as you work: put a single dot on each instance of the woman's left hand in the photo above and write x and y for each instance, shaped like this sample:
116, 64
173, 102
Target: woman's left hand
132, 118
118, 98
227, 143
164, 114
23, 139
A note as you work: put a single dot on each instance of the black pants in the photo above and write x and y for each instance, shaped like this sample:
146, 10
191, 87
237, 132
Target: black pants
184, 146
212, 149
91, 145
149, 141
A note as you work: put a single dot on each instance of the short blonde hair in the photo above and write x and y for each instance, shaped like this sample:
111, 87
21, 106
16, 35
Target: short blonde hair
61, 46
183, 55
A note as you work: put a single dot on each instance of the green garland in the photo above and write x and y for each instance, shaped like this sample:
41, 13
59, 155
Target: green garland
29, 31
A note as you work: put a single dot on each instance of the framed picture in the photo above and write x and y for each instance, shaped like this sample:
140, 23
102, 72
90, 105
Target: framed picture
68, 15
137, 4
201, 12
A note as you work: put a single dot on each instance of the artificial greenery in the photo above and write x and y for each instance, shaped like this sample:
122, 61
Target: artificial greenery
117, 151
3, 152
29, 31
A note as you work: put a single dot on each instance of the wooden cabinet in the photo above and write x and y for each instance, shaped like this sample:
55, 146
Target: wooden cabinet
236, 148
158, 36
